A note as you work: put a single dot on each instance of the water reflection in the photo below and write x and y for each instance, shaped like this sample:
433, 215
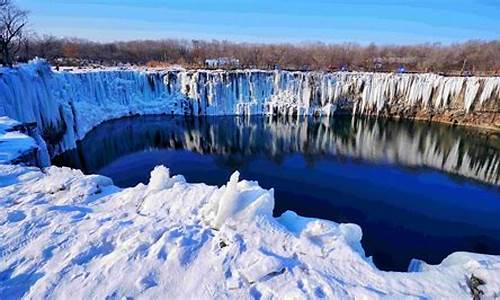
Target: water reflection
417, 190
457, 151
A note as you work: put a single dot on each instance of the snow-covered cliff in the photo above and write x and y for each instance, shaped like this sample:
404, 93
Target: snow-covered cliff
66, 105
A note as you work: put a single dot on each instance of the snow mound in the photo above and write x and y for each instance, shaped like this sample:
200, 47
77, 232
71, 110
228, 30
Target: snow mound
13, 144
160, 180
66, 235
239, 202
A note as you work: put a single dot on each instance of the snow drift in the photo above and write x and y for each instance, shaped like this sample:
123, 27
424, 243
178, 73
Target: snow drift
66, 105
21, 144
66, 235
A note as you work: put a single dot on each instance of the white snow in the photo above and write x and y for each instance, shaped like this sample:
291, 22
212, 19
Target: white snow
13, 144
65, 235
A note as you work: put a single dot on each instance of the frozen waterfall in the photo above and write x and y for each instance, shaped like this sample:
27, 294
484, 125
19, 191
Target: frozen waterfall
66, 105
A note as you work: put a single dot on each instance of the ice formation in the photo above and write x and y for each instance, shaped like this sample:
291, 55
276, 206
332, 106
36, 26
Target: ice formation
66, 105
65, 235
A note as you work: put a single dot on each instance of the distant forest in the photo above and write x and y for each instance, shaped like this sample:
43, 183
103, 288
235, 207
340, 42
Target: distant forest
477, 57
17, 44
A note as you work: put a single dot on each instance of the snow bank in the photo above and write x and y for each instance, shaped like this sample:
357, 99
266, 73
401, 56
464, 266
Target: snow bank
66, 105
18, 147
66, 235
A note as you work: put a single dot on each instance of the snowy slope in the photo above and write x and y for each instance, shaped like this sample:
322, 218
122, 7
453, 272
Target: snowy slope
64, 235
18, 147
66, 105
13, 144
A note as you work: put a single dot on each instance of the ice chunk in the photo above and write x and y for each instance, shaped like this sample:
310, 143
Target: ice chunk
240, 202
255, 265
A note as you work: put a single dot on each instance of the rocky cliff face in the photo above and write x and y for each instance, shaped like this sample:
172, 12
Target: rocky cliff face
66, 105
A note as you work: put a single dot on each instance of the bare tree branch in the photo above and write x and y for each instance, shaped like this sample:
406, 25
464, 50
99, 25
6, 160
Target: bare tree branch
4, 3
12, 23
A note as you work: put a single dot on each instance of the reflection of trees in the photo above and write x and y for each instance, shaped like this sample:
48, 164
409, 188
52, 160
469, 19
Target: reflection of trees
457, 151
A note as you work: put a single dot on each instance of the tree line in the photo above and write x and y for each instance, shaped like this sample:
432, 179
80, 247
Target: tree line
475, 56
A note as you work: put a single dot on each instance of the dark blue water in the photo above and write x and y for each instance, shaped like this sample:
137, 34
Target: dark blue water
417, 190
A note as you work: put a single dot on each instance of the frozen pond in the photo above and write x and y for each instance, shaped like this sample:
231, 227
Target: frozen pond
417, 190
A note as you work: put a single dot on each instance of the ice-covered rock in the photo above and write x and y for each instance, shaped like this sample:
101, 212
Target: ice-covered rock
66, 105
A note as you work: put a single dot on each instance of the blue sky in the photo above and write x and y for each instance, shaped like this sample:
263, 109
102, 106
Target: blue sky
361, 21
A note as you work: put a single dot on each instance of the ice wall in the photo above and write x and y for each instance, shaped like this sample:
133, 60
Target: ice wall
66, 105
308, 93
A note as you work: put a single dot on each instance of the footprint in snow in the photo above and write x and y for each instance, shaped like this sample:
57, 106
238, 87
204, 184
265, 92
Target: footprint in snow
93, 252
16, 216
80, 211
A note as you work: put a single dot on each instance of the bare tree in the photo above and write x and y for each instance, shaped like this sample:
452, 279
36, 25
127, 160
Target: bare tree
12, 22
482, 57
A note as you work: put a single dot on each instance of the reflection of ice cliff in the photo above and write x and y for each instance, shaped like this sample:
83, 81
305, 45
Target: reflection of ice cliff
452, 150
66, 105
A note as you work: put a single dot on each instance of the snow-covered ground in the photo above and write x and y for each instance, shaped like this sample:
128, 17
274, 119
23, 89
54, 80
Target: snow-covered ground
64, 235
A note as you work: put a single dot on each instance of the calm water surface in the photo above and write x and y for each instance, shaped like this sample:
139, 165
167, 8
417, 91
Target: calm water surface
417, 190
